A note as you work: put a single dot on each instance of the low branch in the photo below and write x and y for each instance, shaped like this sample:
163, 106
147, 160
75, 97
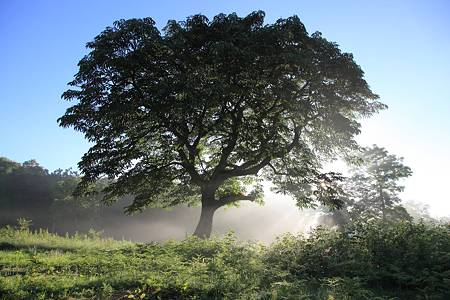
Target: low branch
235, 198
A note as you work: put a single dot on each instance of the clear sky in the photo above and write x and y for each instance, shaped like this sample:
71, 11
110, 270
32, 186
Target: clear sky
403, 47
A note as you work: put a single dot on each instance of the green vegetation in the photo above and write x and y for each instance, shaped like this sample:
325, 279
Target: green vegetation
201, 113
403, 260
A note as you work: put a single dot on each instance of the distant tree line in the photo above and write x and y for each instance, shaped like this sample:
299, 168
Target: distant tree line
28, 190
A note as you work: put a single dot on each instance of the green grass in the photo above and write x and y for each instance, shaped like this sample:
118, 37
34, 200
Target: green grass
327, 265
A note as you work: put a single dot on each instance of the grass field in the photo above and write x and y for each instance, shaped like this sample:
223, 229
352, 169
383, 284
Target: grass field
404, 261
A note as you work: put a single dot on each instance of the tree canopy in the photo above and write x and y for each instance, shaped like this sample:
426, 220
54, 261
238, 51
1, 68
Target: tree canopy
203, 110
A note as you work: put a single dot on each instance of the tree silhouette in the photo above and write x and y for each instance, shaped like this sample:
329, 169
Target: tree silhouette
374, 186
203, 111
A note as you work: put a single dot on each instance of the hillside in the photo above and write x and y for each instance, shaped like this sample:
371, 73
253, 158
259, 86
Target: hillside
376, 261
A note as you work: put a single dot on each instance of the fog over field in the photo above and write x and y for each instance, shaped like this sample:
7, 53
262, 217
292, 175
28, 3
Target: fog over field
249, 221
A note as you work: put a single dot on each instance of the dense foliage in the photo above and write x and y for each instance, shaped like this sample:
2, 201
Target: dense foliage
202, 110
398, 261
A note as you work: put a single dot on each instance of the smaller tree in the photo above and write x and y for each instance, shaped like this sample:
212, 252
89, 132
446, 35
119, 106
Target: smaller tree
373, 189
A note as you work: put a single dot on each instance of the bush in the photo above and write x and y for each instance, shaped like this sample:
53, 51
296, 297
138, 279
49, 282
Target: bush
400, 258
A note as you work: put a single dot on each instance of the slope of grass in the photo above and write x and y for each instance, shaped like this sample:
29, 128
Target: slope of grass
402, 261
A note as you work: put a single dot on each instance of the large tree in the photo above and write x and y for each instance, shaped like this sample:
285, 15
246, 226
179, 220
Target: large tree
203, 111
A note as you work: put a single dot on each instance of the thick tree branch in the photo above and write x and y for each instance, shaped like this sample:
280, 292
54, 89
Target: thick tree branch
201, 129
190, 168
276, 172
226, 152
243, 170
228, 199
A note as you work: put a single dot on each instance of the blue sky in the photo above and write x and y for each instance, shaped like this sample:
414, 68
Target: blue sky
403, 46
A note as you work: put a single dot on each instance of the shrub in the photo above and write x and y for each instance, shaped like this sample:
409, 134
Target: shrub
402, 257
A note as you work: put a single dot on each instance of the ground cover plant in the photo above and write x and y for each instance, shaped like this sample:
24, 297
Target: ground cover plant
403, 260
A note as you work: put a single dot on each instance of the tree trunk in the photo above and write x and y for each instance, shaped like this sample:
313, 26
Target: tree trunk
204, 226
